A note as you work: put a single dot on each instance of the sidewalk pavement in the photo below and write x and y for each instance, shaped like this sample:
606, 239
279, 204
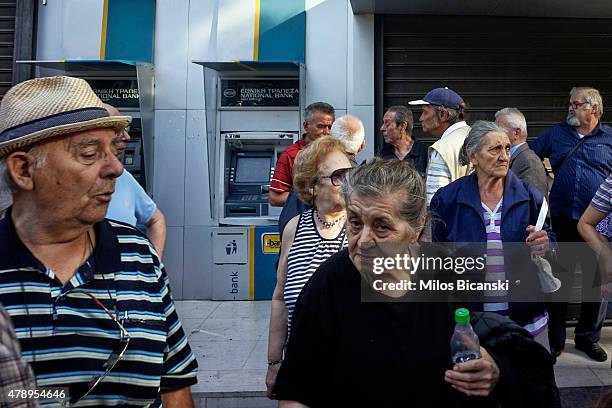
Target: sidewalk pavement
230, 341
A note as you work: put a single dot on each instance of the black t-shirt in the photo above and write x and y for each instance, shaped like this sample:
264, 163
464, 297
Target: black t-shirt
418, 155
345, 352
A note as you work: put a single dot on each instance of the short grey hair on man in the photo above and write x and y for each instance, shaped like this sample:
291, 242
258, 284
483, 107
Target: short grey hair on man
379, 178
592, 96
6, 195
317, 107
350, 131
403, 115
473, 141
514, 117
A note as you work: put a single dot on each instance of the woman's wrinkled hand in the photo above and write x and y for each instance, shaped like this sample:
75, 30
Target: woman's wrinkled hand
475, 377
271, 380
537, 241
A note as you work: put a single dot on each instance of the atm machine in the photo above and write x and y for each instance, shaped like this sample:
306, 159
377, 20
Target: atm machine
253, 113
247, 165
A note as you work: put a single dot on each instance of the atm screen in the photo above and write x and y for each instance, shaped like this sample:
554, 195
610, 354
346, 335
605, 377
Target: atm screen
251, 169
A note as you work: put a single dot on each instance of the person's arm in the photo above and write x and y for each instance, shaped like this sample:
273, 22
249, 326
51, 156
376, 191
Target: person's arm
15, 373
437, 222
438, 175
277, 199
542, 146
278, 314
156, 231
586, 227
282, 180
180, 398
600, 245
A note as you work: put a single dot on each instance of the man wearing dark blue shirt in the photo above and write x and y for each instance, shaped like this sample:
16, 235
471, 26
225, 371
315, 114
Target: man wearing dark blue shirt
580, 152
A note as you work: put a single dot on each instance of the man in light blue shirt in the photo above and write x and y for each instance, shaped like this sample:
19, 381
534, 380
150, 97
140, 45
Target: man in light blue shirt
132, 205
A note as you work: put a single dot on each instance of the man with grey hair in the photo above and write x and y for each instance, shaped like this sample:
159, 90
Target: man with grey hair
580, 152
397, 132
318, 120
443, 118
523, 161
350, 131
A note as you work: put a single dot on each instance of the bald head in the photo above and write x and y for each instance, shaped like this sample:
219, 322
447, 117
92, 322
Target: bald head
349, 130
112, 111
125, 136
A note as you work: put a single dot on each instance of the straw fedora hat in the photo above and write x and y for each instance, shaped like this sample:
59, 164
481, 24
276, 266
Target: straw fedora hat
41, 108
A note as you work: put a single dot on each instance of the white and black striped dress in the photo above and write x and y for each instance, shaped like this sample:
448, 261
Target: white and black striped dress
308, 251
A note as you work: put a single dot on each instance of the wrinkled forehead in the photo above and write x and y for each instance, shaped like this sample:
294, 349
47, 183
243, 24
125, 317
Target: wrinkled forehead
333, 161
492, 139
93, 137
374, 207
319, 116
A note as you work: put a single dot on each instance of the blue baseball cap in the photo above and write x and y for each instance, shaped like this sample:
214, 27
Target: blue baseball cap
440, 97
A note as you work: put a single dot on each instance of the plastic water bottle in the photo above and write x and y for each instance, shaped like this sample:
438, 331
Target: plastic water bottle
464, 343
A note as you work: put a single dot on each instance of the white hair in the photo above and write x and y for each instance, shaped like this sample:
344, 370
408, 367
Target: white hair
350, 131
6, 195
514, 117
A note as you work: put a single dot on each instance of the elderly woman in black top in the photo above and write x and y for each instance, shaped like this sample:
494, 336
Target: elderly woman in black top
344, 351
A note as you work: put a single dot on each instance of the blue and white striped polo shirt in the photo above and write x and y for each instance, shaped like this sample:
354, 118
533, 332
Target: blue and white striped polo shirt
67, 337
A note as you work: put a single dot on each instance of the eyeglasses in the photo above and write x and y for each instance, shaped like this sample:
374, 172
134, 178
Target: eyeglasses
337, 176
114, 357
576, 105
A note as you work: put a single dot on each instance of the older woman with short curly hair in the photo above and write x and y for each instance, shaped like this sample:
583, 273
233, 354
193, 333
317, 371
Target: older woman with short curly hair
308, 239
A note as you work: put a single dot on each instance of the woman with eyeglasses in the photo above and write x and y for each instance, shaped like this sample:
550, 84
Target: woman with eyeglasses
308, 239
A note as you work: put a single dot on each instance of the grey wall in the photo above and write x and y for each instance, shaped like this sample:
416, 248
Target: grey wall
340, 70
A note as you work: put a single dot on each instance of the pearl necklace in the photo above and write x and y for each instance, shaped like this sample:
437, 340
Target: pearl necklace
325, 224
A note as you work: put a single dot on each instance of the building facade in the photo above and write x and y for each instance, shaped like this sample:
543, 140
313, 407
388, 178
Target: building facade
360, 56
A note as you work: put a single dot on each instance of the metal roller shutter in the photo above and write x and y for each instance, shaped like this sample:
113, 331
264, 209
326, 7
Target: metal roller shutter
7, 42
492, 62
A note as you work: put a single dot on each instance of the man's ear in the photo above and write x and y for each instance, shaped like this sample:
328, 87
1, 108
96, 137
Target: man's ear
403, 126
20, 166
443, 115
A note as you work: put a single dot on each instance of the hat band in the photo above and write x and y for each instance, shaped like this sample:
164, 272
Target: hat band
59, 119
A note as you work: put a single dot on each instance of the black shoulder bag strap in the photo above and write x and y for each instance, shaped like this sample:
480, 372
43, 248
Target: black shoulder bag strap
569, 154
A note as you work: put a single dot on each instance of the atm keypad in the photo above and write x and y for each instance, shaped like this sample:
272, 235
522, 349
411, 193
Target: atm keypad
249, 197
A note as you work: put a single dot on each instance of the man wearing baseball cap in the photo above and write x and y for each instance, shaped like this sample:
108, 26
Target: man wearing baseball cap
443, 118
88, 297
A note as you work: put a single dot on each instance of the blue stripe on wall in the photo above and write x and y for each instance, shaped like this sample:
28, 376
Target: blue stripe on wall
282, 30
130, 30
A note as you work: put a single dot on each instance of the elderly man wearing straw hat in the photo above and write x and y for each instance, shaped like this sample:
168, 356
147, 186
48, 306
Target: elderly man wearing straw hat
89, 298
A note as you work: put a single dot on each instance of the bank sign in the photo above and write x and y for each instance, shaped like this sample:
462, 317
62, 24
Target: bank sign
120, 93
260, 93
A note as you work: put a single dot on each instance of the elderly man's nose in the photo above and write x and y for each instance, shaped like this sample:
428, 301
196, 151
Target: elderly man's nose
112, 166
